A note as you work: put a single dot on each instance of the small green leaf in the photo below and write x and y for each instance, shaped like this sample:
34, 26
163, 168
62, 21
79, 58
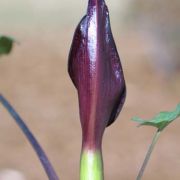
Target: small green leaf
161, 120
6, 44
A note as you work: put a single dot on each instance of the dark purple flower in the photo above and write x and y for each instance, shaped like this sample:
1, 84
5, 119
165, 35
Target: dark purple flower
95, 69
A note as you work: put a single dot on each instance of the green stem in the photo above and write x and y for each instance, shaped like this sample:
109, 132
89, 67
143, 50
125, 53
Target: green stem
91, 165
148, 155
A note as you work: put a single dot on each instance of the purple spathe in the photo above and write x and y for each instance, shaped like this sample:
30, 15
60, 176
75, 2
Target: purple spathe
95, 69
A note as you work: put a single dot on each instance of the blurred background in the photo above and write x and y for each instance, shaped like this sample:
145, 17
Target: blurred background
34, 79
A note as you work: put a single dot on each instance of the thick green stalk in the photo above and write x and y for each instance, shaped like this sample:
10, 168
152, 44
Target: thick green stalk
148, 155
91, 165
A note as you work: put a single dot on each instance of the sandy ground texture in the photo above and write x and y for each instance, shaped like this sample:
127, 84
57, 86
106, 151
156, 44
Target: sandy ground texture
34, 79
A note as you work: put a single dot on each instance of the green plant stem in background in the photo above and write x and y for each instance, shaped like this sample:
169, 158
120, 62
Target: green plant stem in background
31, 138
148, 155
160, 121
91, 165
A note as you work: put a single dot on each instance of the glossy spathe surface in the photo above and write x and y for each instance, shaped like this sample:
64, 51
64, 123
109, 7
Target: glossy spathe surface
95, 69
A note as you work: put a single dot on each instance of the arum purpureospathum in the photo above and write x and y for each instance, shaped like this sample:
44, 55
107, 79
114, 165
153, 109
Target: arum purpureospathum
95, 69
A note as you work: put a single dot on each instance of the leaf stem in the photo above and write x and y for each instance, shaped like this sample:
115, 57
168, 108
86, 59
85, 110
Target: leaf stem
148, 155
38, 149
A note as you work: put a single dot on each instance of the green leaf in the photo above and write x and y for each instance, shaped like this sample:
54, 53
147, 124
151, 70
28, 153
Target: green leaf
6, 44
161, 120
